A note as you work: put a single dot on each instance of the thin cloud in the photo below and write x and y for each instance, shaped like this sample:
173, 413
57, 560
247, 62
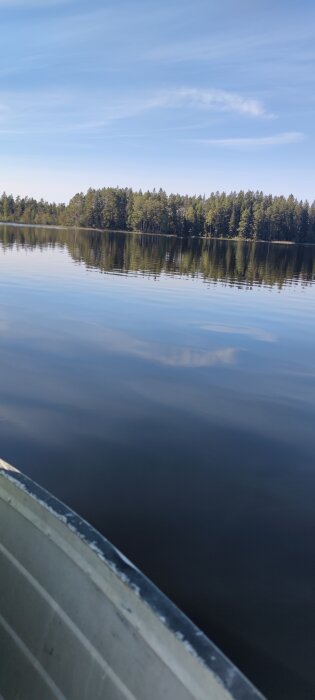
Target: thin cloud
192, 98
212, 99
256, 141
57, 112
211, 48
206, 99
28, 4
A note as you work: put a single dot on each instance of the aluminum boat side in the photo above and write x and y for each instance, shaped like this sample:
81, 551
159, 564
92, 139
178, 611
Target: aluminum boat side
79, 622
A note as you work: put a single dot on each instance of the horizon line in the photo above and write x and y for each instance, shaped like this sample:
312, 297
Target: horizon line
156, 191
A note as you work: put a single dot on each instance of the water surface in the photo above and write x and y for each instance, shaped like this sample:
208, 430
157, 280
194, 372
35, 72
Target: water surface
164, 389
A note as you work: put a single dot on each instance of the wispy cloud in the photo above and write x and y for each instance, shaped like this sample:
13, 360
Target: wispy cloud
52, 111
222, 47
255, 141
211, 99
27, 4
179, 98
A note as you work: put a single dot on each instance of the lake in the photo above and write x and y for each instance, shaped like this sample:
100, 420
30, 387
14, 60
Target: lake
165, 389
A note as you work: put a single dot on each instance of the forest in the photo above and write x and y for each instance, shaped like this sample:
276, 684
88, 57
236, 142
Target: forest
245, 215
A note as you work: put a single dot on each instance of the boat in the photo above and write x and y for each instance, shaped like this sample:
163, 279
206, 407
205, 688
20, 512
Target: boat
79, 622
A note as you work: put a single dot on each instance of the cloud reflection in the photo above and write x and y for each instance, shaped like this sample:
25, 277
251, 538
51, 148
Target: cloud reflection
253, 332
187, 357
167, 354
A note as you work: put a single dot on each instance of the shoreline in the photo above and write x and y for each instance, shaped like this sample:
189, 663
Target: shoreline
234, 239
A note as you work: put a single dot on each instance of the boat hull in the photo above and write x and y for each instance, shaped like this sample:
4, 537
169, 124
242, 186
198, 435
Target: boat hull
79, 622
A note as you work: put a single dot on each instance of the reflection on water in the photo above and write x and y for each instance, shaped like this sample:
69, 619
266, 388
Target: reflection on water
178, 417
216, 260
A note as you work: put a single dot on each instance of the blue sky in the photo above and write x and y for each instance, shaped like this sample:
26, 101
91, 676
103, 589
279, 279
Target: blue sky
191, 96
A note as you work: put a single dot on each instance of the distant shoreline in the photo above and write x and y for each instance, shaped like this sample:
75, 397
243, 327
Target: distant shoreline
234, 239
238, 215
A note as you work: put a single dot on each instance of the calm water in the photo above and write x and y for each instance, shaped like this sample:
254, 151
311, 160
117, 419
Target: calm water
166, 391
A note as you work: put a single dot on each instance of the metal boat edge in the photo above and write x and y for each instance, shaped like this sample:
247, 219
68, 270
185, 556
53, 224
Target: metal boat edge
195, 642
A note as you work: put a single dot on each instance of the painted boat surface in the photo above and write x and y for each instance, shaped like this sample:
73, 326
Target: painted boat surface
79, 622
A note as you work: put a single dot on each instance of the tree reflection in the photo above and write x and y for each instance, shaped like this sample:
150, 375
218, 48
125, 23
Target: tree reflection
232, 262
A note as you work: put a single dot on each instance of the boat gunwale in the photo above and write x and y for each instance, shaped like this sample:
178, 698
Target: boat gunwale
195, 641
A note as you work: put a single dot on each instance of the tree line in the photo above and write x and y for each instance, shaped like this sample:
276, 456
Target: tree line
246, 215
